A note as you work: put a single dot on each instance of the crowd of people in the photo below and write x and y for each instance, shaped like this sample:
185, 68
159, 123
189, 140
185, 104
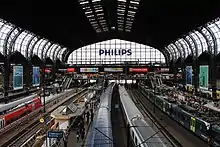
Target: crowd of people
86, 118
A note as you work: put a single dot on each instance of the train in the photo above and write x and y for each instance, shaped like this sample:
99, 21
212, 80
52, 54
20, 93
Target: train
102, 122
137, 121
15, 110
19, 111
203, 127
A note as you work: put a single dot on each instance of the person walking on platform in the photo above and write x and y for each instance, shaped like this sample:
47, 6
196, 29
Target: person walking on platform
77, 135
87, 116
82, 134
92, 115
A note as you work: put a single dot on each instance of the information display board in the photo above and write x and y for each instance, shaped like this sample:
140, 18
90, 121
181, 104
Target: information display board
138, 70
36, 76
113, 69
89, 69
189, 75
204, 76
17, 77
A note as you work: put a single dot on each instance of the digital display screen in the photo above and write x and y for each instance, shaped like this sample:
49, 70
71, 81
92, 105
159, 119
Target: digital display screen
113, 69
89, 69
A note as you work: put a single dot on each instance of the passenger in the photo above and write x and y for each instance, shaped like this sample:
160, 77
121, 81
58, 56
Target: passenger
92, 115
77, 135
87, 116
82, 134
65, 141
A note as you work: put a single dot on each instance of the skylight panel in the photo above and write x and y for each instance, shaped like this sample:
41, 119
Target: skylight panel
96, 1
83, 3
122, 0
134, 2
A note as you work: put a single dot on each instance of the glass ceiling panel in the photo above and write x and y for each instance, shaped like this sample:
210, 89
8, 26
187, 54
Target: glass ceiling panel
55, 53
46, 49
50, 51
36, 47
198, 43
216, 31
186, 46
93, 11
60, 54
130, 11
203, 40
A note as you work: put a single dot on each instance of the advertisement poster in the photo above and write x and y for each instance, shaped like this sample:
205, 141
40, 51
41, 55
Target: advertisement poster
89, 69
113, 69
36, 76
138, 70
17, 77
204, 76
188, 75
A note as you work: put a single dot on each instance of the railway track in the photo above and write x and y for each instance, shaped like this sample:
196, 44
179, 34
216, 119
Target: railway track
140, 102
35, 126
178, 132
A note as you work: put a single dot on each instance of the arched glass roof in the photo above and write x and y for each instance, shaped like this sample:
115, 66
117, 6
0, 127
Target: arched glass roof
110, 52
200, 41
13, 38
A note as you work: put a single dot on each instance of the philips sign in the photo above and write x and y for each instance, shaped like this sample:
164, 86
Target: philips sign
115, 52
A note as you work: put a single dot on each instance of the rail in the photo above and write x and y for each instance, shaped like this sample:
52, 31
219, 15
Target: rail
36, 120
29, 142
139, 98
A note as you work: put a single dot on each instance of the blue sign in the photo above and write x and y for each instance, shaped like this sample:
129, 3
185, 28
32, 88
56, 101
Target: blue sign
189, 75
17, 77
55, 134
115, 52
36, 76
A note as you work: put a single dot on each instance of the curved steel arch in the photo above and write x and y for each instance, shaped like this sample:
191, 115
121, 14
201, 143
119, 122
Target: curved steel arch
42, 51
196, 45
48, 50
41, 45
189, 50
183, 56
28, 45
190, 46
170, 53
31, 51
174, 45
56, 52
199, 41
54, 48
6, 41
23, 40
12, 43
214, 40
52, 57
210, 47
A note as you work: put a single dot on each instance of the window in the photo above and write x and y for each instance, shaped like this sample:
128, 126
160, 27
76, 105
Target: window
110, 52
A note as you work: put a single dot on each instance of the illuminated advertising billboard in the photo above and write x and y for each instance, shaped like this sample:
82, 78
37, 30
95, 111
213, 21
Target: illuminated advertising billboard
17, 77
36, 76
138, 70
113, 69
70, 70
204, 76
189, 75
89, 69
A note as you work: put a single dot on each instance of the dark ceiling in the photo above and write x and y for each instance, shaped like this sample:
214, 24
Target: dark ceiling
157, 22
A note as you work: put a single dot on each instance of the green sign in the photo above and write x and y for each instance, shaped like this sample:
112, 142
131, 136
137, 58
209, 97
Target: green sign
204, 76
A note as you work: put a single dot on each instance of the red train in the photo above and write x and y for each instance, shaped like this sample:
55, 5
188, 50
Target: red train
20, 111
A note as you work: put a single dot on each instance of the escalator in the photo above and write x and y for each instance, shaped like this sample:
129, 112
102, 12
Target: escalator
65, 83
69, 83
